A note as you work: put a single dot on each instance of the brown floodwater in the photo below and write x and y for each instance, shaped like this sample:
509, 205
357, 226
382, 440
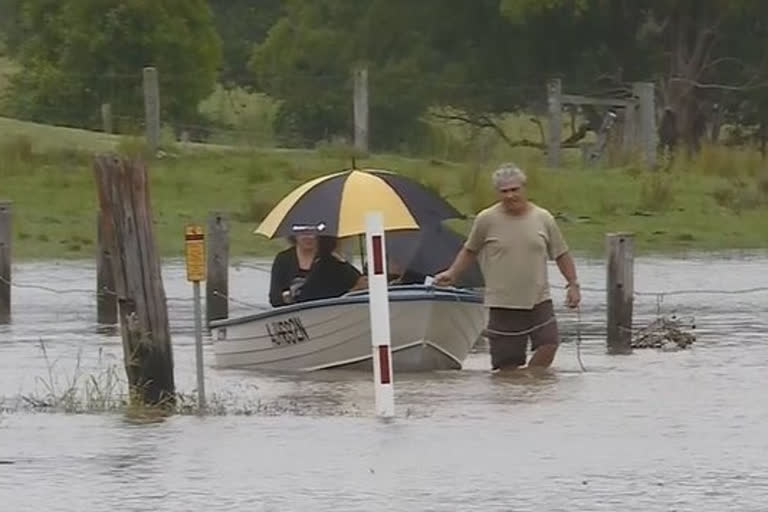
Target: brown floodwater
652, 431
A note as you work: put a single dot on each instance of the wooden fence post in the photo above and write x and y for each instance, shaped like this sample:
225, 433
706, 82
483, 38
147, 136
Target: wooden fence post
217, 282
620, 288
124, 200
106, 118
152, 108
5, 261
646, 120
106, 296
555, 113
629, 133
360, 104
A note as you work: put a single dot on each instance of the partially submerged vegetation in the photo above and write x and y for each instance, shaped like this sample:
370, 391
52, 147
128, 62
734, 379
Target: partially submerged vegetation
104, 389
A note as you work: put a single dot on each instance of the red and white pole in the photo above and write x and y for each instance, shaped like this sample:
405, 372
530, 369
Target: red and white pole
378, 297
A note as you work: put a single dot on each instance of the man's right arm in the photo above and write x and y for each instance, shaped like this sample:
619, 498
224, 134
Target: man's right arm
463, 260
467, 254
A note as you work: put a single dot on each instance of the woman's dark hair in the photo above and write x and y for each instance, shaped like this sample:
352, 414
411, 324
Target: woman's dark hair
326, 244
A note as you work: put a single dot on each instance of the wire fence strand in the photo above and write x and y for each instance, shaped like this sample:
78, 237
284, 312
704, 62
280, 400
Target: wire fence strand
49, 325
664, 293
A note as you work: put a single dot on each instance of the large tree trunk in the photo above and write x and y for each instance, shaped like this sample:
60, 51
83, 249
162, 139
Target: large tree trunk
690, 38
124, 200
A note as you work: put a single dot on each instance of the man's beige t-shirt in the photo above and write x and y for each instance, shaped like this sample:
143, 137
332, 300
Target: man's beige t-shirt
513, 251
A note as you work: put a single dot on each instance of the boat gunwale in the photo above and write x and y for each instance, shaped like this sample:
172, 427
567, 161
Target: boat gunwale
437, 294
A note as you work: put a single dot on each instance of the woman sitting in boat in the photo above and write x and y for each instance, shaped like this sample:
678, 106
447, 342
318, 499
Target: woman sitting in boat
291, 267
331, 274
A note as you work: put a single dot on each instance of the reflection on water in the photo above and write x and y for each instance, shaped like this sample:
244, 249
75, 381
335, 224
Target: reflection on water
651, 431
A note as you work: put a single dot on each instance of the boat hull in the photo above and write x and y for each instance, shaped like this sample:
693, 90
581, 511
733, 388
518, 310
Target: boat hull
430, 329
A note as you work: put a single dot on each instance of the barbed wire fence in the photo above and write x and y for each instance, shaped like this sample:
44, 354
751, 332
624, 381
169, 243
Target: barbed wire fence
74, 321
180, 308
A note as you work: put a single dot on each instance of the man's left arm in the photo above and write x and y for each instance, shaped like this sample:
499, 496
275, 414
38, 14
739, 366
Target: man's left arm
558, 250
567, 268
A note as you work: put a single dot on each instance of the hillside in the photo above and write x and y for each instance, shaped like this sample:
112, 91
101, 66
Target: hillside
717, 202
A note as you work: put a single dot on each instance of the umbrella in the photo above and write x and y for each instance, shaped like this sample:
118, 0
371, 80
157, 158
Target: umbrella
428, 251
336, 204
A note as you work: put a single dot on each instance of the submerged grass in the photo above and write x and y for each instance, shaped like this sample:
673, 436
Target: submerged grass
105, 390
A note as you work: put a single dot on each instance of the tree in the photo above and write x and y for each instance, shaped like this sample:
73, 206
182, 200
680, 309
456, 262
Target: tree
493, 56
416, 58
241, 24
76, 55
9, 17
701, 53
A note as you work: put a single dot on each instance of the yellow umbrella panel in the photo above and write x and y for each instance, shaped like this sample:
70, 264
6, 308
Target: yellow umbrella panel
336, 205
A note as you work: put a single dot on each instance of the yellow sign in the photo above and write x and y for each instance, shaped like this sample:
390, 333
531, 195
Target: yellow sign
195, 251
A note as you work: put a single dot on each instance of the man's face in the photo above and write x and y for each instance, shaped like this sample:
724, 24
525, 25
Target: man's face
512, 195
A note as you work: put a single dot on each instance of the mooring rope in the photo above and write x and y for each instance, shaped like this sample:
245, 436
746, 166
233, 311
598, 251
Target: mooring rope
578, 339
544, 324
522, 333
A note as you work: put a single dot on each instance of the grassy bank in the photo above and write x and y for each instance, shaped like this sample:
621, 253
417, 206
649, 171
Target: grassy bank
719, 201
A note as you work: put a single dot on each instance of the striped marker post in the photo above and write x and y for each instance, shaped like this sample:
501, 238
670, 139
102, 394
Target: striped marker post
378, 293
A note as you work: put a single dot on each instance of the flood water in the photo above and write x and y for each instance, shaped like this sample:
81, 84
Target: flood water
653, 431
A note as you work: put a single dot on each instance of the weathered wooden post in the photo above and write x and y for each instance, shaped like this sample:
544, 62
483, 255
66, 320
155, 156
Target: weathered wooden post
646, 120
106, 297
5, 261
629, 132
106, 118
555, 126
152, 108
360, 104
124, 199
620, 282
217, 283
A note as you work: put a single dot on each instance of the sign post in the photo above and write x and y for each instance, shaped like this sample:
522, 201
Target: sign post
378, 293
194, 239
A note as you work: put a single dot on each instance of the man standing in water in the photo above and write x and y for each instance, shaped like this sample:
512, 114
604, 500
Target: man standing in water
513, 240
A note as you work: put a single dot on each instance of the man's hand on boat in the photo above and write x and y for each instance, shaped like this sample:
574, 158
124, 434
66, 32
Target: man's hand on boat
444, 278
463, 259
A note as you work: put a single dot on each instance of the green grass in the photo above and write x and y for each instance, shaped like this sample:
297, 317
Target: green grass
702, 204
717, 201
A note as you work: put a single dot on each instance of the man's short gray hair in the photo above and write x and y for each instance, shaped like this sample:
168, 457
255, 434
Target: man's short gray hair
508, 172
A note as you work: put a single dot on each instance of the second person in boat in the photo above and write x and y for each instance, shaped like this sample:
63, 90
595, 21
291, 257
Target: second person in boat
331, 274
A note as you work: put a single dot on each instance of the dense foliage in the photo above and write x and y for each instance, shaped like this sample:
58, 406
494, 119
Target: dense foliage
76, 55
478, 57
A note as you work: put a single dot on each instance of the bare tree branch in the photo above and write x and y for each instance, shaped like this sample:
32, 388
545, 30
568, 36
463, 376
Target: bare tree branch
749, 86
702, 50
541, 129
723, 60
483, 121
577, 135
